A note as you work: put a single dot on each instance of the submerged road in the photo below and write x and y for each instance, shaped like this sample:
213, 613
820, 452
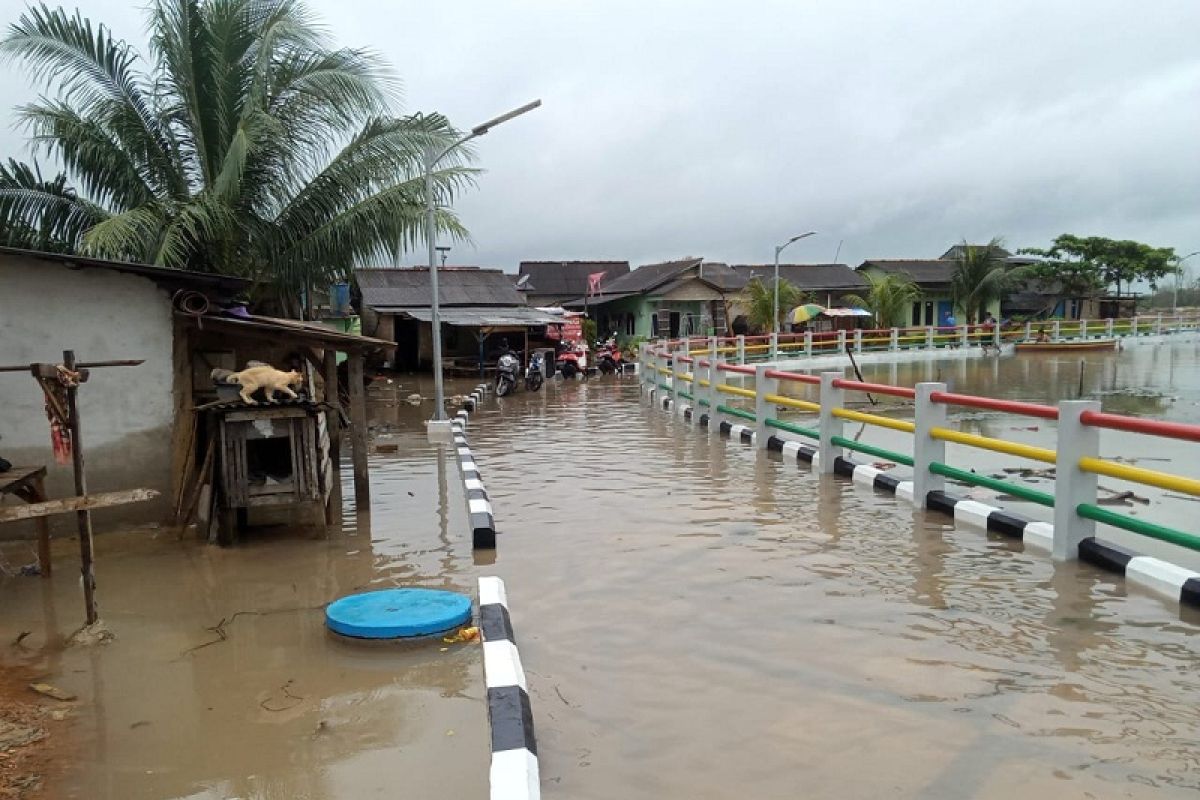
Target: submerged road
701, 620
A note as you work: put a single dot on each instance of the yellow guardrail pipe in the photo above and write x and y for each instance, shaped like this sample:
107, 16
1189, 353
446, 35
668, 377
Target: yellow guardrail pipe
874, 419
792, 402
995, 445
1150, 477
736, 390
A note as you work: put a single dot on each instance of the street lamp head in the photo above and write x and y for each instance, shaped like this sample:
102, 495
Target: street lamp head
484, 127
801, 236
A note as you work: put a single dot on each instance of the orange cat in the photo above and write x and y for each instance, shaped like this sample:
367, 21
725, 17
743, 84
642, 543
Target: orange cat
269, 379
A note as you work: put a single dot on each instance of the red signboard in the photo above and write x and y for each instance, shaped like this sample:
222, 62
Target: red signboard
572, 329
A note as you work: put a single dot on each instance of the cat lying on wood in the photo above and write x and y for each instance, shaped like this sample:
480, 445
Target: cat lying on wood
260, 376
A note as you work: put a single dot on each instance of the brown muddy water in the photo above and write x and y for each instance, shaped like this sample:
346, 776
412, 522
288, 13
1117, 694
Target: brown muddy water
696, 619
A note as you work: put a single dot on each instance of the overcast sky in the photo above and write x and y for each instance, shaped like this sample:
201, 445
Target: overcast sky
719, 129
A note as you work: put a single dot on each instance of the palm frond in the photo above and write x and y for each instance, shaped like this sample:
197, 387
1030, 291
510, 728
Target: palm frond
42, 214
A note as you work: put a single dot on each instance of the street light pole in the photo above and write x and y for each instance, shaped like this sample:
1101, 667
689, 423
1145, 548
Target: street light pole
432, 157
779, 249
1178, 268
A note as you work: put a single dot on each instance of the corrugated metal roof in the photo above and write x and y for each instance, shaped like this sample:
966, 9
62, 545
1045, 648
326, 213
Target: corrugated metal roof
810, 277
457, 286
479, 316
568, 278
921, 270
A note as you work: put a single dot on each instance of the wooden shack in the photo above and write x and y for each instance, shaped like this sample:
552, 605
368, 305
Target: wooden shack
278, 454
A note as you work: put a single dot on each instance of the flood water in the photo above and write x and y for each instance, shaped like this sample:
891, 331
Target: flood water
697, 619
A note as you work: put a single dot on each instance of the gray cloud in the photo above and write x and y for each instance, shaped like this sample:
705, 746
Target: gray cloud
717, 129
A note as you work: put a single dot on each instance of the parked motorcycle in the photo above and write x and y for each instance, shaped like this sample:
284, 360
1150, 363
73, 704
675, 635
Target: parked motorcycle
572, 360
506, 374
608, 356
535, 372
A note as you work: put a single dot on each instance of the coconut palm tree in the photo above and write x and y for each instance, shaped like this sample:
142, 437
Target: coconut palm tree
758, 298
980, 277
245, 144
889, 297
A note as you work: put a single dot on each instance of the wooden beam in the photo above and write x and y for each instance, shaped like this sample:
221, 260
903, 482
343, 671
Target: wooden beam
358, 432
333, 428
66, 505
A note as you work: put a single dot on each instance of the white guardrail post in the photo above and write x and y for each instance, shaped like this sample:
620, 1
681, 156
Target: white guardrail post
1108, 327
964, 335
808, 339
673, 380
1072, 485
741, 349
858, 340
1134, 327
841, 339
774, 351
1054, 331
894, 344
831, 397
1083, 332
1028, 330
1158, 324
763, 386
997, 337
926, 449
714, 397
929, 338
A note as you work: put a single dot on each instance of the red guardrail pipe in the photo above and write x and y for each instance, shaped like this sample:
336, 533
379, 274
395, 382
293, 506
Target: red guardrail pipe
1172, 430
736, 368
1009, 406
876, 388
793, 376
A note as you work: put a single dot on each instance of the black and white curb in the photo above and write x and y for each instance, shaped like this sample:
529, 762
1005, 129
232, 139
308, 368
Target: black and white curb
514, 771
742, 433
472, 401
479, 507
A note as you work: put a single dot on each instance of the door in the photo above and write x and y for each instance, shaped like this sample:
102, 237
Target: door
945, 313
674, 334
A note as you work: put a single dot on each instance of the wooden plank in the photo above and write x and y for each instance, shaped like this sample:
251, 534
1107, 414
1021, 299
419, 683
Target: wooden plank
66, 505
19, 477
185, 423
358, 432
266, 412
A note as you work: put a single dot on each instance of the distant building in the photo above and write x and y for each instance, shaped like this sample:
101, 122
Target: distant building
551, 283
478, 308
688, 297
827, 284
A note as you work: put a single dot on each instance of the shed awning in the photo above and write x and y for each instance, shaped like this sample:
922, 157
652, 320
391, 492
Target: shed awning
480, 316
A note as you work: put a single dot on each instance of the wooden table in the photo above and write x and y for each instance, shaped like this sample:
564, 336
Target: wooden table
29, 484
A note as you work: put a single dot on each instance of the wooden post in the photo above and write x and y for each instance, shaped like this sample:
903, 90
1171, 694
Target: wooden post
38, 492
333, 427
83, 518
358, 432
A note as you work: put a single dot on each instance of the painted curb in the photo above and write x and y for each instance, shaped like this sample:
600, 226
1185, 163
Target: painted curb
479, 505
514, 772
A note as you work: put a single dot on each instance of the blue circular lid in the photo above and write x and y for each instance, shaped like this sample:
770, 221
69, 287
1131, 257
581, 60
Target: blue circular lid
395, 613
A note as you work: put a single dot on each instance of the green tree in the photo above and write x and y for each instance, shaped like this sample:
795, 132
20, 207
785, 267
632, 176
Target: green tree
1093, 263
981, 276
246, 144
758, 298
888, 297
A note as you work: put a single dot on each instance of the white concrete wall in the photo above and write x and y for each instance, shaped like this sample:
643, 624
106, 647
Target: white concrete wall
126, 412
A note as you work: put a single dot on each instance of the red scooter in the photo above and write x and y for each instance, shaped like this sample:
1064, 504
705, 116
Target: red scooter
608, 356
572, 360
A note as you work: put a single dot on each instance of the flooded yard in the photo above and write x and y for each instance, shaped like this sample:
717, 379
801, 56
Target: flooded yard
697, 620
